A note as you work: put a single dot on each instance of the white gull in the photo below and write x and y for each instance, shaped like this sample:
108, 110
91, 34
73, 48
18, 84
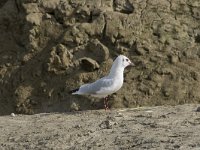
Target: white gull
108, 84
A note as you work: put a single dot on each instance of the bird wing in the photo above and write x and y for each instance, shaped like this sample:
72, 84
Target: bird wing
101, 86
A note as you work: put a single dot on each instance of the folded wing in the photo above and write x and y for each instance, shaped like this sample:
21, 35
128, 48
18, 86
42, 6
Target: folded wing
101, 86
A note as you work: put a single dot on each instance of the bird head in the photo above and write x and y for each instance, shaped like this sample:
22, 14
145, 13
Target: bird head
124, 61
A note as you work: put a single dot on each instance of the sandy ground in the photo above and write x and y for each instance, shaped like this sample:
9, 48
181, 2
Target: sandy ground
162, 127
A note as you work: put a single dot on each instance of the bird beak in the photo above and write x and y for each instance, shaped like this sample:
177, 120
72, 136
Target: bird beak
132, 64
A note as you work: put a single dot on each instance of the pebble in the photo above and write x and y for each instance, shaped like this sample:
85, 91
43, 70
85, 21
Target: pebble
12, 115
149, 111
107, 124
198, 109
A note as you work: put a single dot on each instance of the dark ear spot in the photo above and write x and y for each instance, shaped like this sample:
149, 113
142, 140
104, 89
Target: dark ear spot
123, 59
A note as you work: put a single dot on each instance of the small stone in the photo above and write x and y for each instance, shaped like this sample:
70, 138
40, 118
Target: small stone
48, 16
74, 107
173, 59
8, 64
107, 124
176, 146
89, 64
198, 109
119, 115
12, 115
140, 51
77, 126
123, 6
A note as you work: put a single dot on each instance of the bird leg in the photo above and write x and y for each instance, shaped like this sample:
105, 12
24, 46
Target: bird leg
106, 103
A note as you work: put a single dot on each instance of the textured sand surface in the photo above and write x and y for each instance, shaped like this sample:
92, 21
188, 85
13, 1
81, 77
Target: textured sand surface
140, 128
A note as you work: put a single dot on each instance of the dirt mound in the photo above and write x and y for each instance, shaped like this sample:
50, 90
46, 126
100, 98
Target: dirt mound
51, 47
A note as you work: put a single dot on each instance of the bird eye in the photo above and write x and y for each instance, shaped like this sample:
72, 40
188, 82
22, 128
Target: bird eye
126, 59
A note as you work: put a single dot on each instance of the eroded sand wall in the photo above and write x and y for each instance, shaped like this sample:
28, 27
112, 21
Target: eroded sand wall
50, 47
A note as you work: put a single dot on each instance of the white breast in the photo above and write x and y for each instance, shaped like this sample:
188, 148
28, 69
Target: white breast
117, 84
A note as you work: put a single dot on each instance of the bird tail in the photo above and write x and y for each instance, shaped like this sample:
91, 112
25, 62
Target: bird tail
73, 91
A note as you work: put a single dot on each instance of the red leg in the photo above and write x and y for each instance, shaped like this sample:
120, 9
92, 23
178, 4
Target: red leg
106, 103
